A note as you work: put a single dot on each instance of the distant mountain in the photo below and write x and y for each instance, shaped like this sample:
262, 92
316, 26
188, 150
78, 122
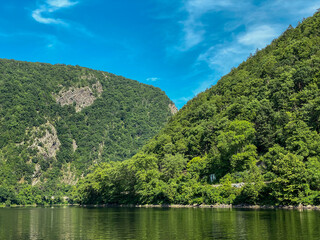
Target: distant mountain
258, 126
58, 121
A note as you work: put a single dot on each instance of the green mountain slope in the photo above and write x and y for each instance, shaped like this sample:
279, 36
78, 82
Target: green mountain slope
57, 121
259, 125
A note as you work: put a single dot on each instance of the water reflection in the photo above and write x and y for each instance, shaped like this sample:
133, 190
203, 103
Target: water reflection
141, 223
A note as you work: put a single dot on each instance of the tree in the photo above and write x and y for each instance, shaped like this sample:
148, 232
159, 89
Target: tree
234, 144
290, 185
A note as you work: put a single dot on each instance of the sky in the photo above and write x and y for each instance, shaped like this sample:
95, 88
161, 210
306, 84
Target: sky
180, 46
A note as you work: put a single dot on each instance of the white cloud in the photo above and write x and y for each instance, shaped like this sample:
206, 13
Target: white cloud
193, 34
223, 57
152, 79
297, 7
37, 15
199, 7
310, 10
49, 7
61, 3
258, 36
193, 31
193, 28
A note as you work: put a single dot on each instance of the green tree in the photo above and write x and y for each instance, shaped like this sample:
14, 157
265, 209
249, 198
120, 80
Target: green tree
290, 185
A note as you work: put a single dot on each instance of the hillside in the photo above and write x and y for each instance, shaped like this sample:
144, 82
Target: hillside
58, 121
259, 125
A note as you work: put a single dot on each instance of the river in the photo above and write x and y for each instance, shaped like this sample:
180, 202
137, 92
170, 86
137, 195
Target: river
157, 223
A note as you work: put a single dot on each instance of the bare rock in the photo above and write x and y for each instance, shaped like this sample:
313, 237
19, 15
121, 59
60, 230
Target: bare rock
36, 175
98, 87
74, 145
82, 97
45, 140
68, 176
173, 108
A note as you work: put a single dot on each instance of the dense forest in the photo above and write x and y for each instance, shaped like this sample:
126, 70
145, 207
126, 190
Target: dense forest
258, 127
57, 122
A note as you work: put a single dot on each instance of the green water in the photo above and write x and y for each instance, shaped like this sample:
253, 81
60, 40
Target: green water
155, 223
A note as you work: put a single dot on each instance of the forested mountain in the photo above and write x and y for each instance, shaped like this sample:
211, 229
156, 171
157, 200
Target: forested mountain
58, 121
259, 125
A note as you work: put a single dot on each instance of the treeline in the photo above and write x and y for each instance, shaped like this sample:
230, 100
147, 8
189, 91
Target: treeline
259, 125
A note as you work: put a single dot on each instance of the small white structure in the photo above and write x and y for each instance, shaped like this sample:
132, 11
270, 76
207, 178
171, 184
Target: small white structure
212, 177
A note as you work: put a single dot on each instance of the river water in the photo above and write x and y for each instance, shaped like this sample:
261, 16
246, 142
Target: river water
157, 223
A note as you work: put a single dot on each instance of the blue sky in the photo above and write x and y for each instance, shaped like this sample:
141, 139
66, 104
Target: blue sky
181, 46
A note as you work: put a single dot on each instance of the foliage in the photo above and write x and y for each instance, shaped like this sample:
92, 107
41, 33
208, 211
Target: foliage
259, 124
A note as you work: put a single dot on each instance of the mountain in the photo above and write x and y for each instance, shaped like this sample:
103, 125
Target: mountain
58, 121
258, 128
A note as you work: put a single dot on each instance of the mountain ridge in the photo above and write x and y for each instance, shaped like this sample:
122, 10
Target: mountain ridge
58, 121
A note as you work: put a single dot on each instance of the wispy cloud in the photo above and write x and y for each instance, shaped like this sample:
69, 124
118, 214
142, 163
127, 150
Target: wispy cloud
193, 27
198, 7
193, 34
297, 7
310, 10
49, 7
258, 36
152, 79
37, 15
61, 3
223, 57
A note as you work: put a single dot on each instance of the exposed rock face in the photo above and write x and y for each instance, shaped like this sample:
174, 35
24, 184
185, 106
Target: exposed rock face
98, 87
68, 176
74, 145
173, 108
82, 97
46, 140
36, 175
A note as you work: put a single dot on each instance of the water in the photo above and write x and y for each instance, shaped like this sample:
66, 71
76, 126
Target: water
155, 223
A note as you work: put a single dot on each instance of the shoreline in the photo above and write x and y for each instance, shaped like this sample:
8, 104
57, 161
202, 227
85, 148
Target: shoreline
35, 205
216, 206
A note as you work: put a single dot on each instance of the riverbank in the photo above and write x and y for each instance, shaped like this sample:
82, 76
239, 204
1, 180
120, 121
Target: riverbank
230, 206
35, 205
